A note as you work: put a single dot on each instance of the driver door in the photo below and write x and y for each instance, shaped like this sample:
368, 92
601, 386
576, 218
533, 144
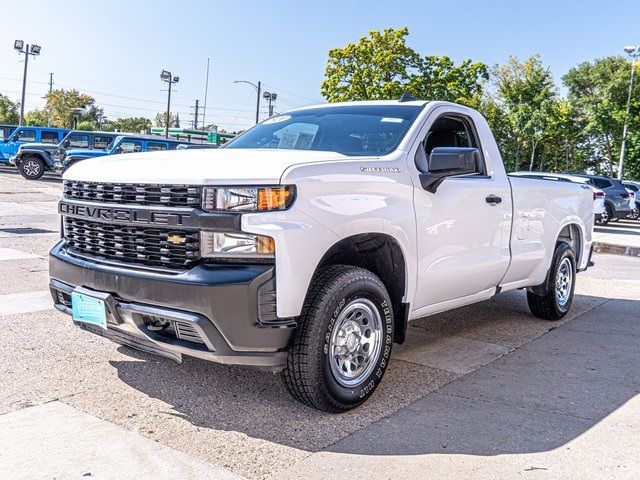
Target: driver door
462, 230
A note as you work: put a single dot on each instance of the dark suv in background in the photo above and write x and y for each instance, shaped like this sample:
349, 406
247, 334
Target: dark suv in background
616, 197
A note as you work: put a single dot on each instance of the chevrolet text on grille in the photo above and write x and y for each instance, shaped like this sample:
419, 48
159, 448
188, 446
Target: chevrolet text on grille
145, 217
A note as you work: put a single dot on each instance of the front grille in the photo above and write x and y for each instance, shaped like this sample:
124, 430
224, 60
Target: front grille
154, 247
164, 195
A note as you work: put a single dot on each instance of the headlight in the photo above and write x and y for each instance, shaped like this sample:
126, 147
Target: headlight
247, 199
236, 245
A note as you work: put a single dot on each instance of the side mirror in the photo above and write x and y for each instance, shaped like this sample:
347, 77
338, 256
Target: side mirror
5, 140
118, 150
449, 162
66, 144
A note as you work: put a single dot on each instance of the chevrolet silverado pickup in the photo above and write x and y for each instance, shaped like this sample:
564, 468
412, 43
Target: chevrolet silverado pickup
309, 242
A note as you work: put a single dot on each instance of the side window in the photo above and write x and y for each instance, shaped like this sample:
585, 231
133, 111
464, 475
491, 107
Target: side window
79, 141
632, 187
49, 137
100, 142
156, 146
130, 146
448, 131
26, 136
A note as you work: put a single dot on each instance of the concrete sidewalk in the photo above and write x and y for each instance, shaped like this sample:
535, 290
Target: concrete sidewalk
621, 238
55, 440
563, 406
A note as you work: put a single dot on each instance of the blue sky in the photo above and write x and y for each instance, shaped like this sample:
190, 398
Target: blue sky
115, 50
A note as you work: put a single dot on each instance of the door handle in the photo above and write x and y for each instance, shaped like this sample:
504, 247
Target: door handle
493, 200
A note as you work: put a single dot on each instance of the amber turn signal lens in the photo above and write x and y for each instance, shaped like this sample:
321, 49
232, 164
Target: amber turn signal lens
265, 245
274, 198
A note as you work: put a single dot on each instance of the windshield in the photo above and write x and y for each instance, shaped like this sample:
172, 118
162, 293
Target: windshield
358, 130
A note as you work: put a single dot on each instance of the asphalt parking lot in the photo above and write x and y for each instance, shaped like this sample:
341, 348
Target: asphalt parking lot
486, 391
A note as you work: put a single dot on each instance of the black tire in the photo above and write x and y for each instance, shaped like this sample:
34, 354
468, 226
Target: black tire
313, 375
550, 306
607, 216
31, 168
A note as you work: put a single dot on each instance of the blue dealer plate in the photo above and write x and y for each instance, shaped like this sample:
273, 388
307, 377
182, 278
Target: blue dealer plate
89, 310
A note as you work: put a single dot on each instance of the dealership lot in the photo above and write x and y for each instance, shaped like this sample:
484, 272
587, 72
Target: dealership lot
486, 389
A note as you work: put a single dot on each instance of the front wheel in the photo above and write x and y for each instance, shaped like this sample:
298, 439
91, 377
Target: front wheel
31, 168
342, 347
556, 302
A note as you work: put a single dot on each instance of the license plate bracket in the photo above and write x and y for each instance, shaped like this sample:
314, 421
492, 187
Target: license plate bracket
88, 309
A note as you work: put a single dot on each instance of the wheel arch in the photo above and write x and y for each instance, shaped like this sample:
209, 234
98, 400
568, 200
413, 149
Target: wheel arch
572, 233
381, 254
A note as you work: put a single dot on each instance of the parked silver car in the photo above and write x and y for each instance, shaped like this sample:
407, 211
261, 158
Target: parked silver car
616, 198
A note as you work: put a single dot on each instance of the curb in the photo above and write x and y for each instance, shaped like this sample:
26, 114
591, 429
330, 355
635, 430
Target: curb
600, 247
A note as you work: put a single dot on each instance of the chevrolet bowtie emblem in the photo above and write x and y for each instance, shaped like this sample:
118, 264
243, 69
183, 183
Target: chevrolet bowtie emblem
176, 239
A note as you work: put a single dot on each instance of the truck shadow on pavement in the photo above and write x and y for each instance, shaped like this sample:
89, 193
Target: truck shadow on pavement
558, 381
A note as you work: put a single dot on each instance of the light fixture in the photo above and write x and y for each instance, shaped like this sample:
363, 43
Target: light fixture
630, 49
18, 45
35, 49
165, 75
176, 79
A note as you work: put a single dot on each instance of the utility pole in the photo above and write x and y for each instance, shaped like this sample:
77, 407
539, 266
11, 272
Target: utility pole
195, 115
27, 49
168, 77
633, 52
50, 90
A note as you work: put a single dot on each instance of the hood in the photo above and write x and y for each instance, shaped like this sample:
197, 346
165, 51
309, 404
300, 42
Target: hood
197, 167
39, 146
85, 152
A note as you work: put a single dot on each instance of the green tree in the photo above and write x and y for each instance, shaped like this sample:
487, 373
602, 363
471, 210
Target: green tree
438, 78
598, 92
382, 66
86, 125
526, 93
128, 125
8, 111
161, 120
36, 118
63, 103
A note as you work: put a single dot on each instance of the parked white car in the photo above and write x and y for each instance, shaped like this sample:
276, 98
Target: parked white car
599, 207
307, 243
634, 188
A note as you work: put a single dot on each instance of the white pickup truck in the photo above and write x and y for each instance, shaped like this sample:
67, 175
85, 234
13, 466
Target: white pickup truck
310, 241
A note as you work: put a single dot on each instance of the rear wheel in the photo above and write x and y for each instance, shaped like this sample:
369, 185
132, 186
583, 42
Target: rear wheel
32, 168
556, 302
606, 215
342, 347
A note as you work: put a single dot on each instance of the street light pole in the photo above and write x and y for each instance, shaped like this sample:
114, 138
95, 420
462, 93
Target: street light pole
258, 88
27, 49
168, 77
633, 52
270, 97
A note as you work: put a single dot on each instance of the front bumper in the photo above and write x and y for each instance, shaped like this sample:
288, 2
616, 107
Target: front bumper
228, 309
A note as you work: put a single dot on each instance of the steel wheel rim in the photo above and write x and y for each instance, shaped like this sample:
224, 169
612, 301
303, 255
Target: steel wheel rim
356, 341
564, 282
31, 168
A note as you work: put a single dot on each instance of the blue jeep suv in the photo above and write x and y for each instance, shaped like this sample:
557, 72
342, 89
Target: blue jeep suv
21, 135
